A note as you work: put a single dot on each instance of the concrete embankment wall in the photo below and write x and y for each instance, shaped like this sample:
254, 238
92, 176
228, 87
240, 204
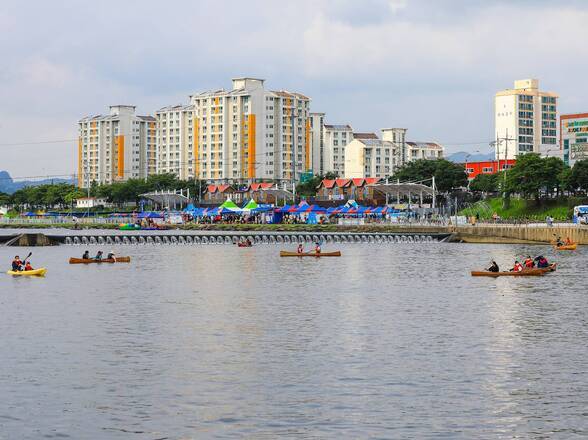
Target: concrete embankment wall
519, 234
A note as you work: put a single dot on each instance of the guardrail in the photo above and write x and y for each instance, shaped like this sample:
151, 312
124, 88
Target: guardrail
64, 220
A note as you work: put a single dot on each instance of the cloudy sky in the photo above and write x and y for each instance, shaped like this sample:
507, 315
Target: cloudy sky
432, 66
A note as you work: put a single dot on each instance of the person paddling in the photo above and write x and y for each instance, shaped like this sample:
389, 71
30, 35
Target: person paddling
300, 249
86, 255
16, 264
317, 248
529, 263
494, 267
98, 256
110, 256
518, 267
542, 262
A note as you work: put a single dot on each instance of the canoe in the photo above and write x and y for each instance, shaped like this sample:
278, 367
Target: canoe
524, 273
567, 247
310, 254
91, 260
34, 273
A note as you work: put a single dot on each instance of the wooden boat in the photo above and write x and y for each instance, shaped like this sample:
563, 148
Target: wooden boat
104, 260
524, 273
310, 254
40, 272
567, 247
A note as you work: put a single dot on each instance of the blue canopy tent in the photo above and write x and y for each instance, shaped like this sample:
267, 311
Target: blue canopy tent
150, 214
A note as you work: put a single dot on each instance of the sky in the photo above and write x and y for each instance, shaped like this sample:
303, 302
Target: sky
432, 66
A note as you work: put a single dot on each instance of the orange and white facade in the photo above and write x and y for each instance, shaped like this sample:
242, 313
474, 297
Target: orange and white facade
249, 133
175, 141
116, 147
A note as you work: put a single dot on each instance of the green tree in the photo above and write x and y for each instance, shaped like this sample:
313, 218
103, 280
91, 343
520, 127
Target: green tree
448, 175
579, 175
4, 199
533, 174
485, 183
308, 188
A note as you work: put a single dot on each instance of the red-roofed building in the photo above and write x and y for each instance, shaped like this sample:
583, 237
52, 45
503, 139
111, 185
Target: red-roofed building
220, 193
359, 189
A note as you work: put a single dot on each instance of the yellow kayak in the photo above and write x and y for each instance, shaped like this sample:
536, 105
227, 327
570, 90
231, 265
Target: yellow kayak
36, 272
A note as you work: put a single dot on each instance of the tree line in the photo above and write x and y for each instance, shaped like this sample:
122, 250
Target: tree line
535, 177
63, 196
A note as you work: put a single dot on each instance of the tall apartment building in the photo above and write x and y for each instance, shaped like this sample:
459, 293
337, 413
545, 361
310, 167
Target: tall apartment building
336, 138
116, 147
249, 133
573, 131
525, 119
175, 141
317, 144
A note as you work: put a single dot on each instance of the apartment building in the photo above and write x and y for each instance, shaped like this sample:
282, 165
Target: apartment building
250, 133
423, 150
368, 157
398, 137
116, 147
317, 145
175, 141
525, 120
336, 138
573, 143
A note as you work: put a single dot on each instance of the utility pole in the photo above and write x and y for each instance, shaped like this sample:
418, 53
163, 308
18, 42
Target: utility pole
434, 192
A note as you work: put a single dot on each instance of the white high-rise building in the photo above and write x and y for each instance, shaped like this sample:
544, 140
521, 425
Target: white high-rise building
525, 120
336, 138
116, 147
317, 144
249, 133
175, 141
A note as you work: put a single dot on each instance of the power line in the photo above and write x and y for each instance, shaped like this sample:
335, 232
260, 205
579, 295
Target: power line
16, 144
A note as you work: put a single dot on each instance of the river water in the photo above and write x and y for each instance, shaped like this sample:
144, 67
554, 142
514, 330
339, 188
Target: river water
388, 341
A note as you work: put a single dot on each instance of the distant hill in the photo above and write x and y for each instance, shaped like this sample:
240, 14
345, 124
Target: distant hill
8, 186
460, 157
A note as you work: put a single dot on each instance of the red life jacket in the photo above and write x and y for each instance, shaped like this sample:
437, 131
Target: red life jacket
528, 263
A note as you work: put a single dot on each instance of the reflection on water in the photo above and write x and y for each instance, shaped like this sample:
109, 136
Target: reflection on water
387, 341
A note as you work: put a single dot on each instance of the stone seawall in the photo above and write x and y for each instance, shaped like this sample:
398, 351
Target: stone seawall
519, 234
